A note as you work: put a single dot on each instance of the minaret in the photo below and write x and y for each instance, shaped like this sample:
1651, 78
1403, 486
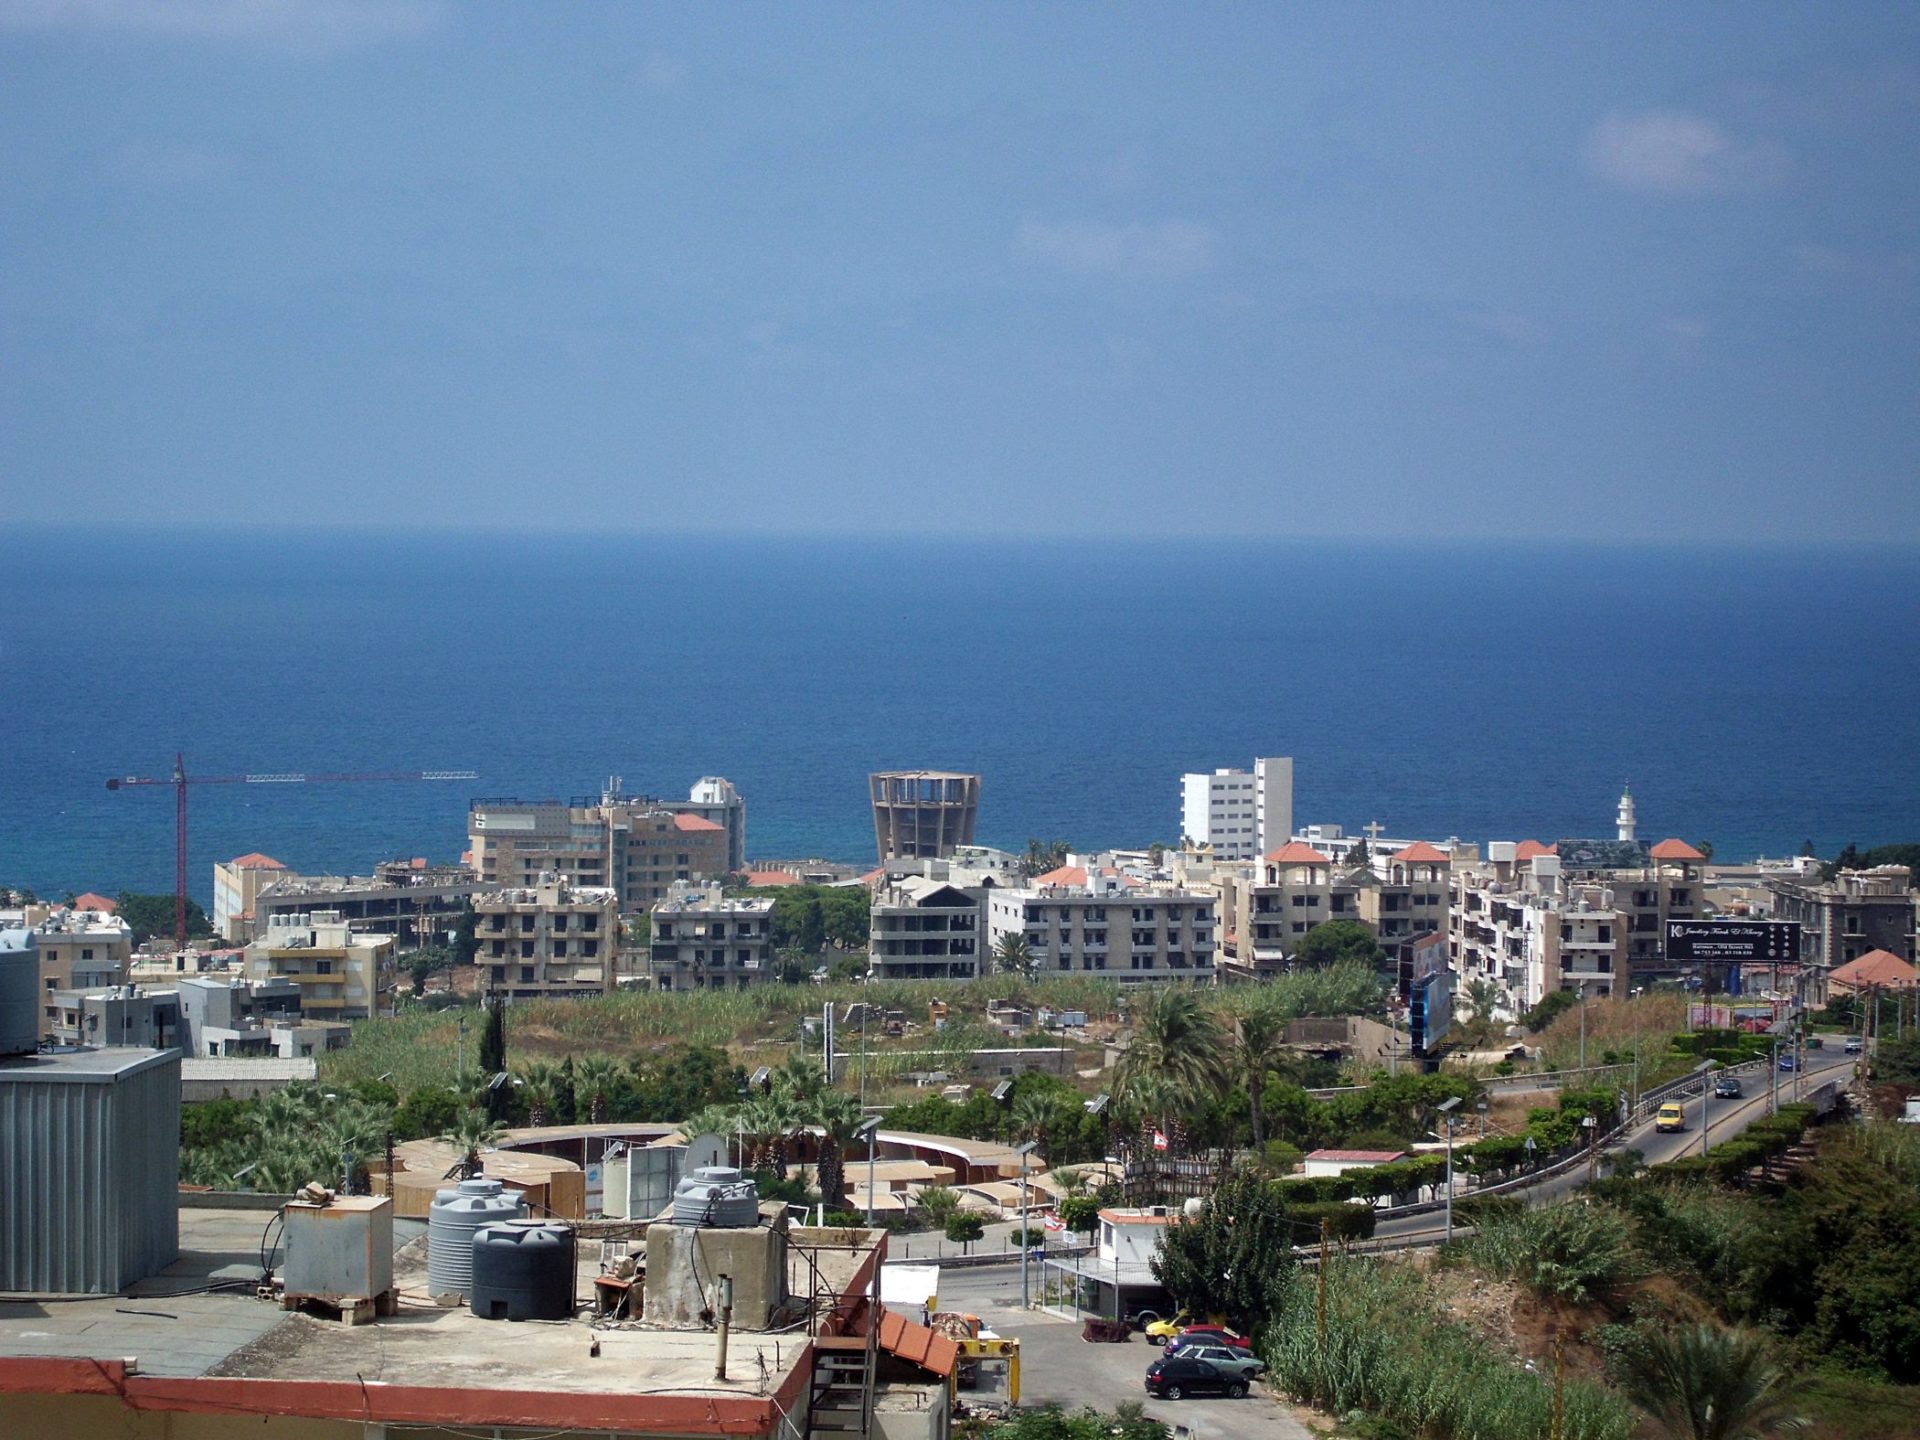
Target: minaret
1624, 819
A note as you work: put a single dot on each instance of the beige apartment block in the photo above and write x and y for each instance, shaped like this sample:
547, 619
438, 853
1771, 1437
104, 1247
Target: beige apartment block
548, 940
82, 949
704, 939
635, 846
339, 972
1109, 925
925, 929
1297, 887
236, 883
1515, 922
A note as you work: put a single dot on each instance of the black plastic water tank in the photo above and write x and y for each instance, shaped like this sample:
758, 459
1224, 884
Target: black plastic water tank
523, 1270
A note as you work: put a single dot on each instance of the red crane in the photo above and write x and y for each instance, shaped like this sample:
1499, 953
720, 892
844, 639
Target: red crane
180, 780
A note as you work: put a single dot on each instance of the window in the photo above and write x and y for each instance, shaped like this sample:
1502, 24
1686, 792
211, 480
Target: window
526, 949
323, 967
526, 974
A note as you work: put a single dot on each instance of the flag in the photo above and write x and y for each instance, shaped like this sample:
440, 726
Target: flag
1159, 1139
1052, 1221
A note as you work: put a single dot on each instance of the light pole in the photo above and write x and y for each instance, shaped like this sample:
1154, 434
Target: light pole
869, 1131
1023, 1151
1588, 1124
1706, 1107
1446, 1109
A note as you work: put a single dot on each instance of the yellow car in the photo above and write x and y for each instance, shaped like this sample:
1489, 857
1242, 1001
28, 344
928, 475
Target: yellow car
1670, 1117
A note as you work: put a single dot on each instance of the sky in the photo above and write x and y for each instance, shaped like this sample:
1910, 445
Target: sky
1617, 273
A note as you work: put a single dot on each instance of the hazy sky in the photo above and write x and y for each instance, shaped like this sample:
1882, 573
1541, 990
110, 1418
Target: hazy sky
1431, 271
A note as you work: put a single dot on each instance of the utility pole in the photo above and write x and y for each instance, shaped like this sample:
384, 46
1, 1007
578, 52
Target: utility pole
1558, 1430
1320, 1303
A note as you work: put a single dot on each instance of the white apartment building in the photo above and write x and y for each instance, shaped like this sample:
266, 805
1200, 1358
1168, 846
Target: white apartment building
705, 940
924, 929
549, 940
1107, 925
1239, 813
1516, 923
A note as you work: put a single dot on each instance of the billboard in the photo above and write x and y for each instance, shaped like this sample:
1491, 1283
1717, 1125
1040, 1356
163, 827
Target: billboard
1602, 854
1734, 942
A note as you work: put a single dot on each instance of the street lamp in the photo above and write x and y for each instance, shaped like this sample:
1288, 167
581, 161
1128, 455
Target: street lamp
1588, 1124
868, 1131
1446, 1109
1023, 1151
1706, 1111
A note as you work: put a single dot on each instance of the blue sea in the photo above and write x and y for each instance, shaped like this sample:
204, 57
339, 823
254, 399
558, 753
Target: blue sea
1755, 698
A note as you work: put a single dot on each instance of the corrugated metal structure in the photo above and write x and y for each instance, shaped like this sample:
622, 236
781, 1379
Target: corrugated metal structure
19, 993
89, 1169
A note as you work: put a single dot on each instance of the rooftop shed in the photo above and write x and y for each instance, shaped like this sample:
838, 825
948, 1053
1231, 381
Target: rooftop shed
89, 1169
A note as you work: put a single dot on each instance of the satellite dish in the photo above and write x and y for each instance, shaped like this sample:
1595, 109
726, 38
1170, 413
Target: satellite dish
703, 1152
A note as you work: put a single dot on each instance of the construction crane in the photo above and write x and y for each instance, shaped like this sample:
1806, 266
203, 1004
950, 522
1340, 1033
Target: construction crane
180, 780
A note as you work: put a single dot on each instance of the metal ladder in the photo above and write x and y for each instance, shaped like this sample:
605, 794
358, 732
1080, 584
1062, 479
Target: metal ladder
840, 1391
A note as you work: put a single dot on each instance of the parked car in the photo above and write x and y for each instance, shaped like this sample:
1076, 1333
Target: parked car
1670, 1116
1787, 1061
1231, 1359
1159, 1332
1727, 1087
1173, 1376
1853, 1046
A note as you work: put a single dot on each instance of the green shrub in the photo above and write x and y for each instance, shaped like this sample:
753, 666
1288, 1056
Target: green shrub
1345, 1221
1567, 1251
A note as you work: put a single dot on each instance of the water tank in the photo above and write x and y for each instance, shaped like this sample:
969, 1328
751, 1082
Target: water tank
523, 1270
716, 1195
454, 1216
19, 993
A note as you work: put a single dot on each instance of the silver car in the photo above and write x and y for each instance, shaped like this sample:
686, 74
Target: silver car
1228, 1359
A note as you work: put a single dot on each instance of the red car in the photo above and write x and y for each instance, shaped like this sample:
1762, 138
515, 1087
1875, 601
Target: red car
1213, 1334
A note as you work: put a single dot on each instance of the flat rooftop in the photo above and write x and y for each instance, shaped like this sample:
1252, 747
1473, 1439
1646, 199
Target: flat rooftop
229, 1333
83, 1067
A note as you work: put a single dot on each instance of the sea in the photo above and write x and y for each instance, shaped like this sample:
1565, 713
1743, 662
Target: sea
1756, 698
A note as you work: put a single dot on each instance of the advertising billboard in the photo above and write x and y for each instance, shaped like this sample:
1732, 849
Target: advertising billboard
1735, 942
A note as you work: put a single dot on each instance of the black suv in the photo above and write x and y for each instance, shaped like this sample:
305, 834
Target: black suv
1177, 1375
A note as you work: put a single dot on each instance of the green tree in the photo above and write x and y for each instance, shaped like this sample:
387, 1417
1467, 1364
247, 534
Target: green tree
1080, 1213
1045, 855
427, 961
964, 1227
151, 916
1807, 852
1258, 1043
1013, 956
471, 1132
1700, 1383
539, 1083
939, 1202
493, 1057
596, 1080
1176, 1058
429, 1110
1332, 941
836, 1115
466, 939
1235, 1255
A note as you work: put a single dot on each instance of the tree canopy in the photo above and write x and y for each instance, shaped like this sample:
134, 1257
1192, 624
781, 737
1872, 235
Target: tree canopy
152, 915
1235, 1256
1332, 941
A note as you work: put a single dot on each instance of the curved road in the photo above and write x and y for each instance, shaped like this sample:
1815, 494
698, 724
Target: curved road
1727, 1119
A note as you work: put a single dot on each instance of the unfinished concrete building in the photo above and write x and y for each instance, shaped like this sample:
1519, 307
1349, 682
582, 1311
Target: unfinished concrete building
922, 814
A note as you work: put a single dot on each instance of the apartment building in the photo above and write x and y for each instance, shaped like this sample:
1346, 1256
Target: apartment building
82, 949
1518, 924
225, 1014
926, 929
117, 1015
1651, 885
235, 884
339, 973
1106, 924
704, 939
1856, 912
414, 901
1296, 887
548, 940
1239, 814
638, 847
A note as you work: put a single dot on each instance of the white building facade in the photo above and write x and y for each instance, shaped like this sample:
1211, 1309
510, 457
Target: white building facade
1127, 931
1237, 811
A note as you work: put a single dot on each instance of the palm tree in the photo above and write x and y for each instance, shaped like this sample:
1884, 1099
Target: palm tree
1701, 1383
1483, 996
540, 1081
766, 1121
1176, 1058
1259, 1038
836, 1115
595, 1081
472, 1132
1013, 956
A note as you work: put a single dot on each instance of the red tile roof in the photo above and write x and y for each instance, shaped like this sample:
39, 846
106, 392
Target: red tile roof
1358, 1157
1533, 849
1675, 850
1065, 875
1876, 967
91, 901
916, 1344
1295, 852
255, 861
765, 878
694, 822
1421, 853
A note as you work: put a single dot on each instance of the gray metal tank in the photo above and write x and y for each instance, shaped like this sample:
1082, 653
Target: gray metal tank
19, 993
523, 1270
716, 1195
451, 1222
